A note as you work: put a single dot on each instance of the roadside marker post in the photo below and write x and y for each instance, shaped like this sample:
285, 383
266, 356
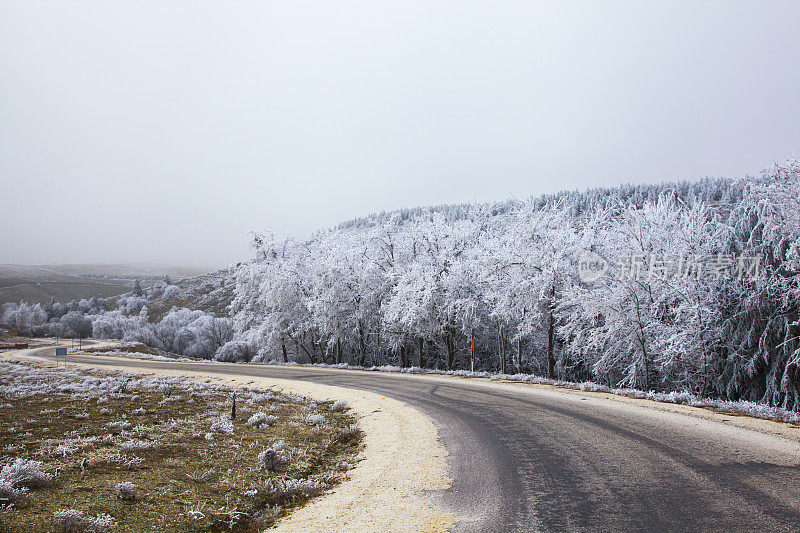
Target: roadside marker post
472, 358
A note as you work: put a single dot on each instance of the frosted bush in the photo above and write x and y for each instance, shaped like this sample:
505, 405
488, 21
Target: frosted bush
172, 291
260, 420
138, 412
315, 420
222, 425
259, 398
74, 521
236, 351
350, 433
293, 489
25, 473
127, 491
340, 405
275, 457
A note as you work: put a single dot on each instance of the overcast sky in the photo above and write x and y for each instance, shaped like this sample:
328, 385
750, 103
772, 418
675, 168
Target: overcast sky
166, 131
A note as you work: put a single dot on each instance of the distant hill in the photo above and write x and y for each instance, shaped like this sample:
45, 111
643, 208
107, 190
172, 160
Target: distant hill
211, 293
38, 284
127, 271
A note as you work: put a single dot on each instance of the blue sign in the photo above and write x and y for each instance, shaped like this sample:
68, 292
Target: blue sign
61, 351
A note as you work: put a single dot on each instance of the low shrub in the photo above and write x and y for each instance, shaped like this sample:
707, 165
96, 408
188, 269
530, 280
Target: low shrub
74, 521
127, 491
339, 406
222, 425
260, 420
315, 420
275, 457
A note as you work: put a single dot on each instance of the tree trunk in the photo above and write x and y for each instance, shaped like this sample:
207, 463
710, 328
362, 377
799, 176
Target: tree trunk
421, 355
551, 360
500, 347
448, 342
378, 357
519, 355
312, 354
362, 348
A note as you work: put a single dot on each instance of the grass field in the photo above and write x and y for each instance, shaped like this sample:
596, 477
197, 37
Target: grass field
82, 451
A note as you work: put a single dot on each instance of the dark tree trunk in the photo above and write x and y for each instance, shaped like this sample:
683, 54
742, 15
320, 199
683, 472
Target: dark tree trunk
362, 347
551, 360
421, 353
501, 351
448, 342
312, 354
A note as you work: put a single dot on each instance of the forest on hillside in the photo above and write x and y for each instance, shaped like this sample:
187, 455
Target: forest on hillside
687, 287
699, 289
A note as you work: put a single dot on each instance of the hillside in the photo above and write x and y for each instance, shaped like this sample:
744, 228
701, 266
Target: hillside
126, 270
38, 284
211, 293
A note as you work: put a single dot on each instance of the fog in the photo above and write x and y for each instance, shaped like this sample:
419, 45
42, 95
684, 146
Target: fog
166, 131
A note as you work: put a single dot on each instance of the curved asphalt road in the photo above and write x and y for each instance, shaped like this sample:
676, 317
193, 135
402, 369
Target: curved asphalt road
533, 458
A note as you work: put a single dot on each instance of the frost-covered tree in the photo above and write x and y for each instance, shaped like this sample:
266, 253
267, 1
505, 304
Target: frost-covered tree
208, 334
424, 286
23, 316
78, 324
763, 324
236, 351
173, 292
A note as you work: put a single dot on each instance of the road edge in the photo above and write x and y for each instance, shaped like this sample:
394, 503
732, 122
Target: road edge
403, 459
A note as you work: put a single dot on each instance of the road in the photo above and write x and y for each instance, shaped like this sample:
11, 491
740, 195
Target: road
527, 457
